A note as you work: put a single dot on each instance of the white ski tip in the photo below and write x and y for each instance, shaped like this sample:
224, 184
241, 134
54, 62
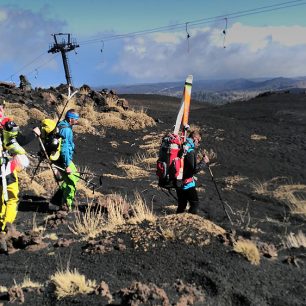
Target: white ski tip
189, 80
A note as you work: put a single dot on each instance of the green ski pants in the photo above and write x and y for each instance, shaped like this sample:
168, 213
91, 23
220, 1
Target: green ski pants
68, 186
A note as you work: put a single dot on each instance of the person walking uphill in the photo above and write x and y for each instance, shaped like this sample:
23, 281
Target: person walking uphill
13, 159
187, 192
70, 178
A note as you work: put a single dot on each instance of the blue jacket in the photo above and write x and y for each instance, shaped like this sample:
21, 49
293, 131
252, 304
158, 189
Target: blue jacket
67, 147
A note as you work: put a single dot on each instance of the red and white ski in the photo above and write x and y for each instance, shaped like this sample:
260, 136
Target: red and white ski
183, 114
182, 119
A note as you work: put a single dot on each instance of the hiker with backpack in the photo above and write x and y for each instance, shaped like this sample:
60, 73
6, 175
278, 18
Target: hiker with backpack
58, 147
70, 177
13, 159
187, 191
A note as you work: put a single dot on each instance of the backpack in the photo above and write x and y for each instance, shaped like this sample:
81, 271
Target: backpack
51, 138
169, 163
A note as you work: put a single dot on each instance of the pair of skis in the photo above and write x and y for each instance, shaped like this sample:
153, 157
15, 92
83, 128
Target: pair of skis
183, 113
182, 118
182, 122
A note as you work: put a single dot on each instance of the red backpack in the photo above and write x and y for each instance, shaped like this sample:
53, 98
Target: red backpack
169, 163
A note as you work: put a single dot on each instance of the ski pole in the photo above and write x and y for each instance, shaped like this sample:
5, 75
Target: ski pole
37, 167
222, 202
3, 176
68, 99
88, 182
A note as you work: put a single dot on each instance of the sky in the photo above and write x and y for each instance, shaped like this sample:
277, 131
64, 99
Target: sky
260, 40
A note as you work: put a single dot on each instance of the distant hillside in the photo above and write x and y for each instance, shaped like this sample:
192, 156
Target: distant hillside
219, 91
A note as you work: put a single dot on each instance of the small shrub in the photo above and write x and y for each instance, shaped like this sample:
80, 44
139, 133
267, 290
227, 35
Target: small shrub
295, 240
70, 283
27, 283
89, 224
249, 250
141, 211
260, 188
258, 137
116, 209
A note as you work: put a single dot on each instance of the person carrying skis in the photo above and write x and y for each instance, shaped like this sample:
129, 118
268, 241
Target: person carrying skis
187, 191
13, 159
70, 178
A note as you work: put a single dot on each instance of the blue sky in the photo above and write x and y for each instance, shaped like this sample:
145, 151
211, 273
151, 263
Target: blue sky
266, 44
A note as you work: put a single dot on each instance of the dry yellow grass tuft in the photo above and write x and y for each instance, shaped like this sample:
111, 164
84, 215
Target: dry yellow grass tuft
27, 283
232, 181
131, 170
258, 137
89, 224
295, 240
281, 189
141, 211
260, 187
18, 112
168, 233
152, 144
249, 250
116, 209
52, 236
3, 289
126, 120
294, 195
147, 160
70, 283
35, 113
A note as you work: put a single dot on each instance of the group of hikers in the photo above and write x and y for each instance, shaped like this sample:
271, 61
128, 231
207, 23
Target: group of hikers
57, 146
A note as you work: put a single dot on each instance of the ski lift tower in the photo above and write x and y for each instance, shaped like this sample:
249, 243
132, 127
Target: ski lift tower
65, 45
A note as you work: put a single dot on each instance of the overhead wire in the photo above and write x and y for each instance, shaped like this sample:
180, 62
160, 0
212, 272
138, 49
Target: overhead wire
26, 65
178, 26
193, 23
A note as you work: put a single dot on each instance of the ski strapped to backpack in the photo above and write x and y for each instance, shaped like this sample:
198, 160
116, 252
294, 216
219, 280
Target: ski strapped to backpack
170, 163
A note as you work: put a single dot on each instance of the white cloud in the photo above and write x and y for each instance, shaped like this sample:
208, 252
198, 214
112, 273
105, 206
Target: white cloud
250, 52
259, 37
25, 35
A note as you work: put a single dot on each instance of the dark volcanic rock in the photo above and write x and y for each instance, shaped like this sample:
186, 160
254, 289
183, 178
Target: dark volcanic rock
262, 140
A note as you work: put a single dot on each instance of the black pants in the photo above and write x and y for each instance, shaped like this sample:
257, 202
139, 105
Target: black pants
184, 196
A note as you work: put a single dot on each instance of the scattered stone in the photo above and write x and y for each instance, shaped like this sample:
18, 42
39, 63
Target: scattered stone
142, 294
49, 98
103, 290
104, 246
24, 85
228, 238
15, 294
7, 84
267, 249
63, 242
123, 103
293, 260
190, 294
60, 217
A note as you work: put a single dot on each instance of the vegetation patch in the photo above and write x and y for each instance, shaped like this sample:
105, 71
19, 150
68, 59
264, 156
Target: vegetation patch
257, 137
249, 250
295, 240
71, 282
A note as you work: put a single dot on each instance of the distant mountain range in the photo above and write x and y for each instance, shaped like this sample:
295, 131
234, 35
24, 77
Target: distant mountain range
219, 91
